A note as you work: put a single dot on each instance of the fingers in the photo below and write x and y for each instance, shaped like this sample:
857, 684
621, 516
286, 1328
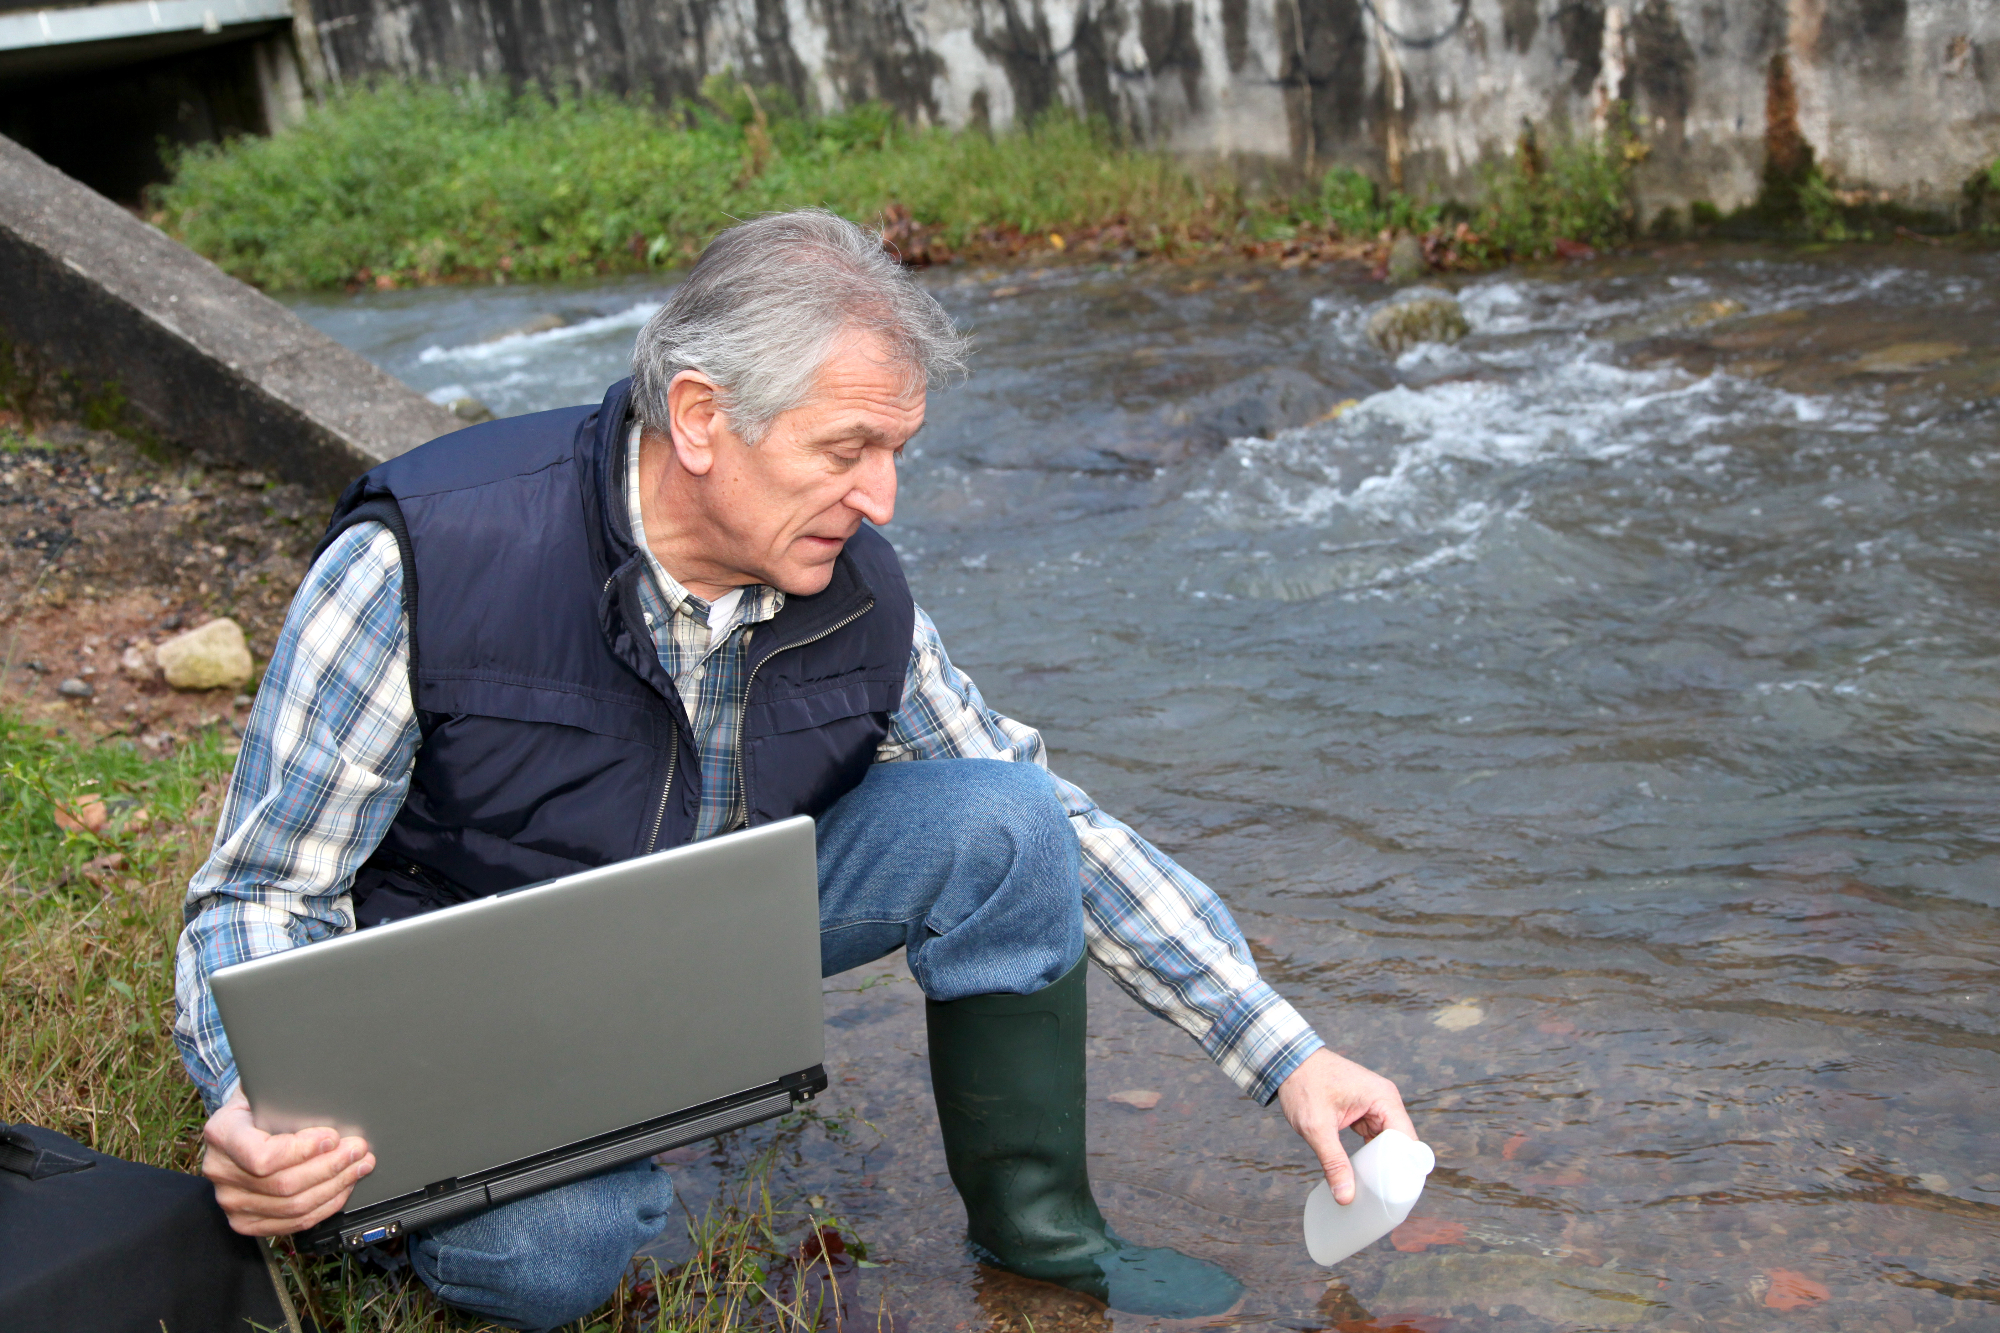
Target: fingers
252, 1213
231, 1133
1399, 1118
1385, 1111
1328, 1093
1339, 1171
275, 1184
291, 1180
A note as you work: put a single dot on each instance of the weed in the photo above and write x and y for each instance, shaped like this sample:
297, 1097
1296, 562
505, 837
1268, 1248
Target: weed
1577, 192
1352, 205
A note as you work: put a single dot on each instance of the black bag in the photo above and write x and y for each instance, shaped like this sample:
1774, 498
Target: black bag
93, 1242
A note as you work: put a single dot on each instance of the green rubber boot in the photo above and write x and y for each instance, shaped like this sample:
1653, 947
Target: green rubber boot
1008, 1073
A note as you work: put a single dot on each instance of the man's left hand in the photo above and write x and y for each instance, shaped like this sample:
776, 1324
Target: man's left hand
1329, 1093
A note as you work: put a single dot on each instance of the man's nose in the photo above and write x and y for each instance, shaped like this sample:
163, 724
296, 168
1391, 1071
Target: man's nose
874, 493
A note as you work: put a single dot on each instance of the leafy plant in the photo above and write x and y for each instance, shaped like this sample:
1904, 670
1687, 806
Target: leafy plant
1577, 192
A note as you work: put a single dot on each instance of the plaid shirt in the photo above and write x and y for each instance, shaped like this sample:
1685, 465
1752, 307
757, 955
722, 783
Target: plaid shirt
331, 739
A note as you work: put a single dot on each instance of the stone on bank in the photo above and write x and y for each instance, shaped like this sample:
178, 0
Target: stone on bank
209, 657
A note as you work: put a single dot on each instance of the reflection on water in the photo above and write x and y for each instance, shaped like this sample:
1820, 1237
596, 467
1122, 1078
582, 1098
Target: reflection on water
1595, 728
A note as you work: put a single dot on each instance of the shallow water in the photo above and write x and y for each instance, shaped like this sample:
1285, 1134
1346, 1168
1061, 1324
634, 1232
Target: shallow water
1594, 727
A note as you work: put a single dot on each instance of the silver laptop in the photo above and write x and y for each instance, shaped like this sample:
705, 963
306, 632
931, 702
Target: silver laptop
508, 1044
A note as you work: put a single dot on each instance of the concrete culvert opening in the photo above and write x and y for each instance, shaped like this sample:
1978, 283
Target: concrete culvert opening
98, 90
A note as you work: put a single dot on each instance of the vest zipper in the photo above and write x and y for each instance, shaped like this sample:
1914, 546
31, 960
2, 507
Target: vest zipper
743, 713
673, 759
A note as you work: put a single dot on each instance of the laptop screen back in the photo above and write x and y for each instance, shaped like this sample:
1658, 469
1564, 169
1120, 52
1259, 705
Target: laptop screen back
484, 1033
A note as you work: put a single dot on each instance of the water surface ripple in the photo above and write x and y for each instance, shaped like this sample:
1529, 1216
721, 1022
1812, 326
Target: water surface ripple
1594, 727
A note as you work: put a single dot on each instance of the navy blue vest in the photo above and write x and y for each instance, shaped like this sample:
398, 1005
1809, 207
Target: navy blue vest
552, 738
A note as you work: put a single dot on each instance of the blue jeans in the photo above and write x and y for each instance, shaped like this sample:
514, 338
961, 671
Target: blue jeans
968, 864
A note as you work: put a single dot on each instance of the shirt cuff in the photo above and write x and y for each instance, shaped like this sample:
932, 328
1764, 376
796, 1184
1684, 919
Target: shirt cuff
1259, 1039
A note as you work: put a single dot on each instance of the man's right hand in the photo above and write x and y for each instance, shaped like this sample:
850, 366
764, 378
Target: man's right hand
275, 1184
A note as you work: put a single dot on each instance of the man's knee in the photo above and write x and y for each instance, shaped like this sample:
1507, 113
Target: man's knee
971, 864
549, 1258
1011, 919
1007, 813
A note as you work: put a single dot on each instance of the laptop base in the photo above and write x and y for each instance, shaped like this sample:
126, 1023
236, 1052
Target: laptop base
446, 1199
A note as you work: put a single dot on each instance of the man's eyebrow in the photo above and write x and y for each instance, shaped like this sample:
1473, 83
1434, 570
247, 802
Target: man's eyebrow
848, 430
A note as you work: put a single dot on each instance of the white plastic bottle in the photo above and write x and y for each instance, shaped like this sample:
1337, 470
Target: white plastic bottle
1389, 1174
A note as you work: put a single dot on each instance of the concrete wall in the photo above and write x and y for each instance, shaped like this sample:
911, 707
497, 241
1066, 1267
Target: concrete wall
1899, 95
201, 360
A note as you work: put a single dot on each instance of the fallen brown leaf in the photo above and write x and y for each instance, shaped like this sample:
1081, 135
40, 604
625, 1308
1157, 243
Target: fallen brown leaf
83, 814
1790, 1291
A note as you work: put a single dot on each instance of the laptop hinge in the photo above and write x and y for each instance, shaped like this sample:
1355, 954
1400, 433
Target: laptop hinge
454, 1196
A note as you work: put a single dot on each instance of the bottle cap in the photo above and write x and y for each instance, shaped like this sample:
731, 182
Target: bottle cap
1401, 1164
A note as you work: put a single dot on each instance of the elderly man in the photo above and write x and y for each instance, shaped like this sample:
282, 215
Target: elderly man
571, 638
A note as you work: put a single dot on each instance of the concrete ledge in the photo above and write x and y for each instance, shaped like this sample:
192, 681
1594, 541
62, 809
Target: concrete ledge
201, 359
134, 18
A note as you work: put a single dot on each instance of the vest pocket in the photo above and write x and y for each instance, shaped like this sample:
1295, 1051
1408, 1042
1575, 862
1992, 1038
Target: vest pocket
632, 718
817, 708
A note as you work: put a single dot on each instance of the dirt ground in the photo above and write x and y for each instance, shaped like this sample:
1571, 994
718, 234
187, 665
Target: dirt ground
104, 549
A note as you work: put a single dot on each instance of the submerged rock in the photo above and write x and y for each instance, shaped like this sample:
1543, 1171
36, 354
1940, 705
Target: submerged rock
208, 658
1550, 1289
1458, 1017
547, 322
1906, 358
1676, 318
469, 410
1425, 315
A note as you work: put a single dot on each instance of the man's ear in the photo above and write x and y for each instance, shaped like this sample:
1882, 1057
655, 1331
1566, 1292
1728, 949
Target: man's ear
694, 420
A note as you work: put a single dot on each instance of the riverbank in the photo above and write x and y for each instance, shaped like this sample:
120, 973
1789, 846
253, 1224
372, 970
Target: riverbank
399, 185
402, 185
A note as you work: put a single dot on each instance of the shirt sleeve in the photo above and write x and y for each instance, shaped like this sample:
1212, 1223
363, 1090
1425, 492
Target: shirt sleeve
323, 770
1163, 935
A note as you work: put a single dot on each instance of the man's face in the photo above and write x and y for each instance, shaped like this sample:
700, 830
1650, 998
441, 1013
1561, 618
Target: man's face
780, 512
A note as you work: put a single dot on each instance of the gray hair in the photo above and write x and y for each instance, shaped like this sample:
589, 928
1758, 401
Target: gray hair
763, 307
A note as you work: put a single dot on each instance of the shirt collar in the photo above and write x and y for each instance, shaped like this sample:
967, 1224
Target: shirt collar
760, 602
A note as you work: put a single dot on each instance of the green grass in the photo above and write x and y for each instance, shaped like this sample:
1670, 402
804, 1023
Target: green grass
426, 183
87, 929
402, 183
88, 923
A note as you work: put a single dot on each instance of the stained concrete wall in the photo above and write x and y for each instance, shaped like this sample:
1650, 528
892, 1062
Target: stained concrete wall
1897, 95
202, 360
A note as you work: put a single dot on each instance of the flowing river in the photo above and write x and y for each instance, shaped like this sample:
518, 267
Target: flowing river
1593, 725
